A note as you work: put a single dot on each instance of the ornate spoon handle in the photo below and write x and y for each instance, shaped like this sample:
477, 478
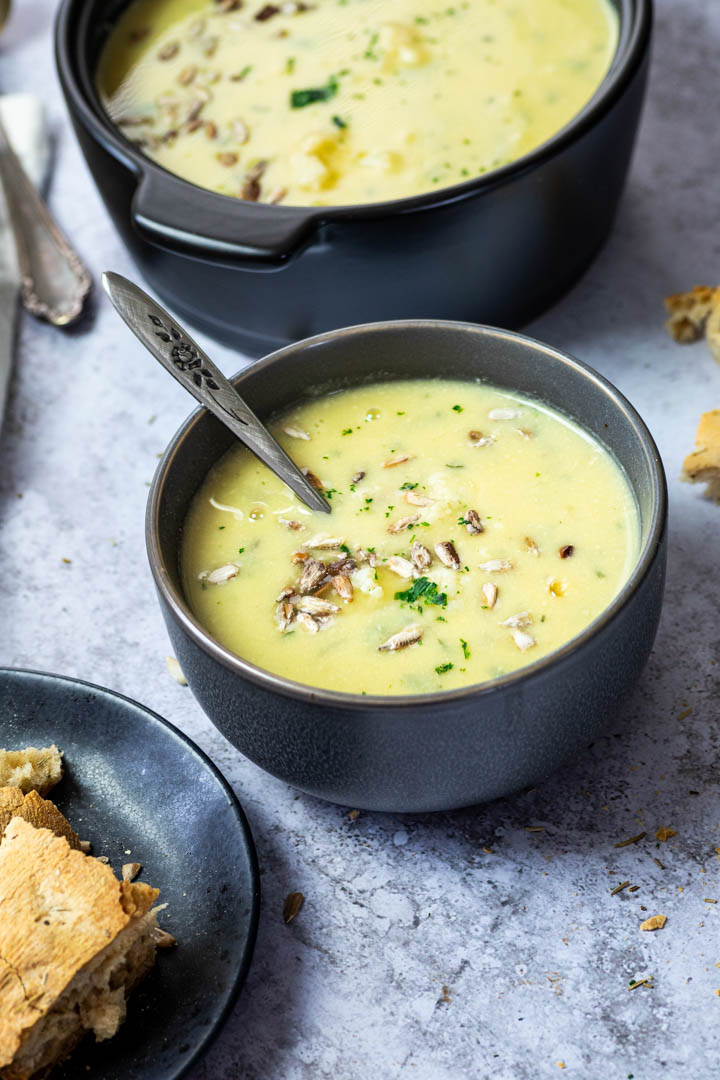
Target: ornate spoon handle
193, 369
53, 281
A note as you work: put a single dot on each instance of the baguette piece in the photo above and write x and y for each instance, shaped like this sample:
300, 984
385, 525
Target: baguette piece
73, 942
31, 769
703, 464
38, 811
688, 313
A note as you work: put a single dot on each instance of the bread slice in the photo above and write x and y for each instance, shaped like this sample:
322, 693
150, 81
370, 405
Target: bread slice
73, 942
31, 769
38, 811
689, 312
703, 465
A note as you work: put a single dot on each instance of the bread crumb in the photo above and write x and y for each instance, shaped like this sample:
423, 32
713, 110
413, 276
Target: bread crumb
689, 313
702, 466
665, 834
655, 922
175, 670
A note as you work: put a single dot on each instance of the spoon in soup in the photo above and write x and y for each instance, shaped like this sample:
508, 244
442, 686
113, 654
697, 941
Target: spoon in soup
182, 357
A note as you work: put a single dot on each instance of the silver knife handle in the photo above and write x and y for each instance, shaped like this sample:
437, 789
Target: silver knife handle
53, 281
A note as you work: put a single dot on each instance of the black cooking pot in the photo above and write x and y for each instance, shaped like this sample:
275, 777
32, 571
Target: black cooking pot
498, 249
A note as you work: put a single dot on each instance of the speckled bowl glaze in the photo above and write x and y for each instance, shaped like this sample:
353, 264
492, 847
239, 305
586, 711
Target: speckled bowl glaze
434, 751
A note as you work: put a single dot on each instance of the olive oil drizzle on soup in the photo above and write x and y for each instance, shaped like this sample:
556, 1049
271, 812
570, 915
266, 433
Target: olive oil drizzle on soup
472, 532
332, 102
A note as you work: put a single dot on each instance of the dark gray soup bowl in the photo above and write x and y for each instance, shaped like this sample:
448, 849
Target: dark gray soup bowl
433, 751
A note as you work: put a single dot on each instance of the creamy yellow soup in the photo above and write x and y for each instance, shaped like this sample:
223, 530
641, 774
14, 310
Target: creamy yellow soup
472, 532
332, 102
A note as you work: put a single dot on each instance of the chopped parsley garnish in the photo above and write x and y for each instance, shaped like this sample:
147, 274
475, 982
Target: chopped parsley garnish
463, 521
457, 408
465, 648
339, 122
347, 431
442, 668
332, 491
345, 548
300, 98
449, 466
240, 551
407, 486
221, 526
289, 65
423, 587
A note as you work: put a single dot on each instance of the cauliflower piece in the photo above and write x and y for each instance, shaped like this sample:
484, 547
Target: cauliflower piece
364, 580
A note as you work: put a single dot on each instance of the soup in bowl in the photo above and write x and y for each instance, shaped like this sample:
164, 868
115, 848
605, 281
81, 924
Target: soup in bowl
323, 103
484, 592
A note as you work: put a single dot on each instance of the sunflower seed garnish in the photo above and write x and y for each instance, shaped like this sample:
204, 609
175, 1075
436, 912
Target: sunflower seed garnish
495, 566
447, 554
241, 132
566, 551
522, 640
357, 477
169, 51
175, 670
313, 605
402, 567
220, 575
405, 637
365, 556
313, 479
308, 622
296, 432
285, 594
211, 129
323, 542
187, 75
276, 195
490, 594
346, 565
227, 158
284, 613
519, 621
399, 459
532, 546
420, 555
524, 433
210, 46
473, 524
313, 573
478, 439
343, 586
403, 523
418, 500
299, 557
504, 414
294, 526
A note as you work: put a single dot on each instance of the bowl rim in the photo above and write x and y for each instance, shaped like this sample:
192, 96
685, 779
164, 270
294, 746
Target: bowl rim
635, 19
268, 680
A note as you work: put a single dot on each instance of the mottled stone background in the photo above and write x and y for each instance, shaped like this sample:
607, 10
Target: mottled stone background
534, 953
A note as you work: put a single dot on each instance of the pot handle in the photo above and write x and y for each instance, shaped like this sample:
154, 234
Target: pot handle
165, 209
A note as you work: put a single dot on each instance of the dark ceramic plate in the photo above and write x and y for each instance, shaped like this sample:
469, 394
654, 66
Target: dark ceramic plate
133, 783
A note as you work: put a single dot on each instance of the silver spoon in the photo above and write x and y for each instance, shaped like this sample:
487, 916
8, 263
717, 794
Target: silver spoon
53, 280
182, 357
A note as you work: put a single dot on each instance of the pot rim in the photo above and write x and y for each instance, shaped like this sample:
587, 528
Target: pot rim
440, 699
636, 17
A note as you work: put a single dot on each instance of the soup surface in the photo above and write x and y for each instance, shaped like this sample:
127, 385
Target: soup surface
332, 102
472, 532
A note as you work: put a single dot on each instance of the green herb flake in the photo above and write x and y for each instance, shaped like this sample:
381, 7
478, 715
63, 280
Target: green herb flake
465, 648
339, 122
300, 98
240, 551
221, 526
289, 65
457, 408
347, 431
441, 669
407, 486
423, 587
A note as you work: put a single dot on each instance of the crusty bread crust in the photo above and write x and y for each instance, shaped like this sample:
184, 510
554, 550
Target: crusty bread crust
38, 811
703, 464
59, 909
689, 312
